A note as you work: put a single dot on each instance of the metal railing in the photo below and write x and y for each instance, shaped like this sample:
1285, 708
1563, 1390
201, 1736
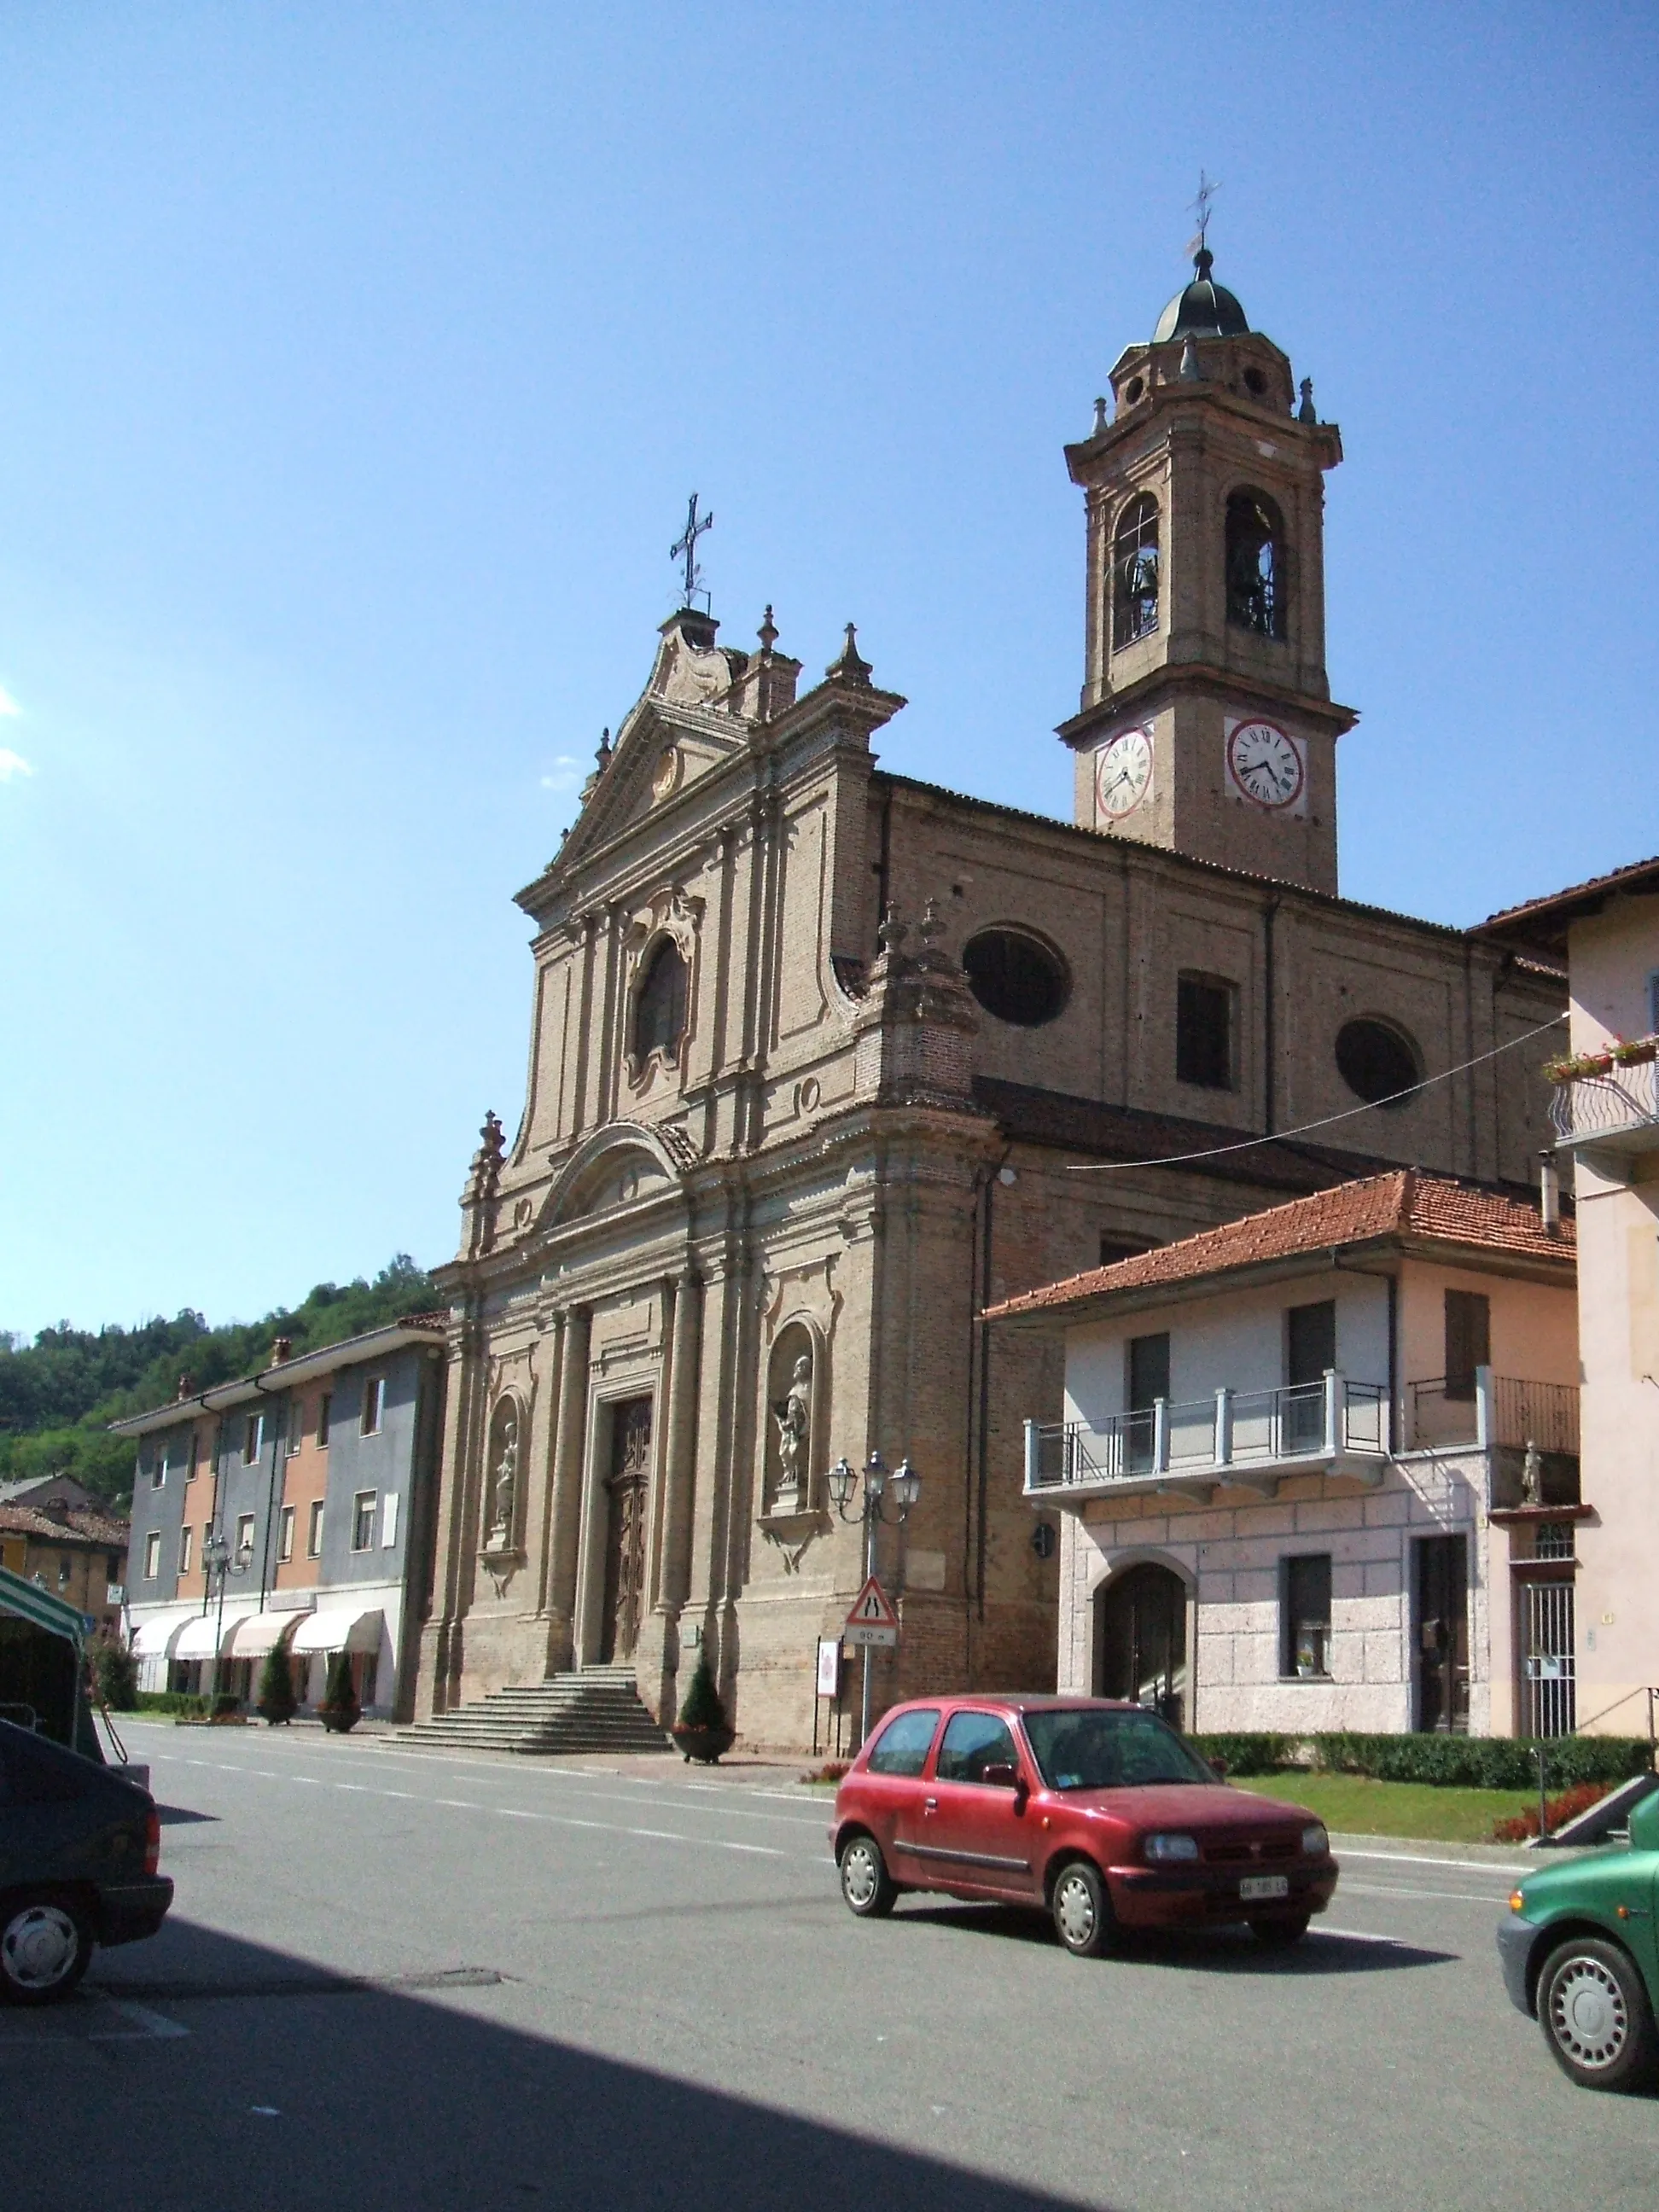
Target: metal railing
1626, 1098
1492, 1409
1204, 1437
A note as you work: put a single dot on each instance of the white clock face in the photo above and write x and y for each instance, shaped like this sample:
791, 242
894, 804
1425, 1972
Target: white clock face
1266, 763
1123, 774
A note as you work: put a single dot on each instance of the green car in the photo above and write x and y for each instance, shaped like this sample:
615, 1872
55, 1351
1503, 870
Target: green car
1581, 1954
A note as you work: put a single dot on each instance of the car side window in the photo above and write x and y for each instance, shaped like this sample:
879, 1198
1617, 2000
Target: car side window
901, 1746
972, 1742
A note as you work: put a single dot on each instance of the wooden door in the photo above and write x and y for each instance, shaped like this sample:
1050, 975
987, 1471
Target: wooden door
1442, 1634
626, 1487
1142, 1640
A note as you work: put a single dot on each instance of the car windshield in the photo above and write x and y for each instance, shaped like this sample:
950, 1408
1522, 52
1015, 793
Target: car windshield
1094, 1750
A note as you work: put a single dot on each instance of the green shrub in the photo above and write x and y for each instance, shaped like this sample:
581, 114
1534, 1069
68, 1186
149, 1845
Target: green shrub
178, 1702
702, 1708
116, 1673
1245, 1751
341, 1696
276, 1704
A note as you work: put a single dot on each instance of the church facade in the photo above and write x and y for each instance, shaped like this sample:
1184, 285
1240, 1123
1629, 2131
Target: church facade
817, 1050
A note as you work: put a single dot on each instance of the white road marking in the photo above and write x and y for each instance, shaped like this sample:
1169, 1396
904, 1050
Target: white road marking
1417, 1858
1450, 1896
147, 2026
1364, 1936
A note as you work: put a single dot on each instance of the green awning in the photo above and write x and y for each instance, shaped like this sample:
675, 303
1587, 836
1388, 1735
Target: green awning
29, 1601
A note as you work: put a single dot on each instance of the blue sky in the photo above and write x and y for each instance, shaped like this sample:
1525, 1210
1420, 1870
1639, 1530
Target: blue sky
355, 364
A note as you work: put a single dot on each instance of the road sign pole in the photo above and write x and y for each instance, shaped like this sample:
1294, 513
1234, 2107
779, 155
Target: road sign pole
870, 1527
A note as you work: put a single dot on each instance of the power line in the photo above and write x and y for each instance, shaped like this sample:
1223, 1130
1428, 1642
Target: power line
1282, 1136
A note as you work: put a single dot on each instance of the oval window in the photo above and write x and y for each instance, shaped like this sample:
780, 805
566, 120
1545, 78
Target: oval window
1376, 1062
1016, 977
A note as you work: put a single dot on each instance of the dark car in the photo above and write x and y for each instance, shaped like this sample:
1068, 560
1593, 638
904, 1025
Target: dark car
1093, 1811
79, 1848
1580, 1950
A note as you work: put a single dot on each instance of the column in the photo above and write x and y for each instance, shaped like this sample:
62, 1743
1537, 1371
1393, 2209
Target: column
680, 1484
565, 1516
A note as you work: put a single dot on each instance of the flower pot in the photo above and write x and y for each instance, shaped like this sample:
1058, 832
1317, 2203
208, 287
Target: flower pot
339, 1720
705, 1745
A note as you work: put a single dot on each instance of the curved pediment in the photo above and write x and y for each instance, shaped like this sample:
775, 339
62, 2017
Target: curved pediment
616, 1168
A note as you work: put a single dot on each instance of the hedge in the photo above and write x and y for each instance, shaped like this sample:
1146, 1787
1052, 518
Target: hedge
1460, 1762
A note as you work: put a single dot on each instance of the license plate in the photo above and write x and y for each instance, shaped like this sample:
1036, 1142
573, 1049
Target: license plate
1256, 1886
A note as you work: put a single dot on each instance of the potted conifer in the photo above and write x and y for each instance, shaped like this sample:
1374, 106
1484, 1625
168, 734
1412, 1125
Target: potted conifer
275, 1703
339, 1711
703, 1731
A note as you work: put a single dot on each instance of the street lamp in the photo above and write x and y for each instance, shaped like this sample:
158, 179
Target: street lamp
904, 1485
218, 1560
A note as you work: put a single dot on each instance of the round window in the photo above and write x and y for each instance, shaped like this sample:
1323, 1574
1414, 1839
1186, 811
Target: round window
1132, 390
1376, 1062
1016, 977
1256, 382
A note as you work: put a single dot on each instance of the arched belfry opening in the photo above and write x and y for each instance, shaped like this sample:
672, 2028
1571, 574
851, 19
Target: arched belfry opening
1135, 572
1255, 564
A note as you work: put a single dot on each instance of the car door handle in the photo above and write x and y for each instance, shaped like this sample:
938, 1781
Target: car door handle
930, 1805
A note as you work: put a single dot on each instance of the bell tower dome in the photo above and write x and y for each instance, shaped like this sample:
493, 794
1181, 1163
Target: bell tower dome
1206, 722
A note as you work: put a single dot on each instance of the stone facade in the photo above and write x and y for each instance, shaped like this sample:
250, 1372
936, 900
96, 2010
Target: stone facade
764, 1124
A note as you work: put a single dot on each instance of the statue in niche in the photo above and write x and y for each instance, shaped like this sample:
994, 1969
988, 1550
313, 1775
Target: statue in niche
793, 1416
1532, 1476
504, 1475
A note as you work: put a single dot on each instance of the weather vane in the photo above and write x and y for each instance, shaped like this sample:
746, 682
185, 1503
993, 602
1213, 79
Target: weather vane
1200, 208
685, 548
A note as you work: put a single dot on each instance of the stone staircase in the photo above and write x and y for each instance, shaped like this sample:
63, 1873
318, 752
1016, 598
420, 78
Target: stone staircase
595, 1708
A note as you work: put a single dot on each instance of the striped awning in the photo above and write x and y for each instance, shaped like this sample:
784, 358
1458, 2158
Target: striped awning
200, 1639
343, 1628
258, 1633
153, 1639
27, 1601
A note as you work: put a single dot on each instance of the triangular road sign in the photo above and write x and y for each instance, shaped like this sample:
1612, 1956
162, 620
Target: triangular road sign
870, 1608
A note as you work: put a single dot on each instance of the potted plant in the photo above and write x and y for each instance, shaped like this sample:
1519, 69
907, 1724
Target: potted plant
339, 1711
276, 1703
703, 1731
1635, 1052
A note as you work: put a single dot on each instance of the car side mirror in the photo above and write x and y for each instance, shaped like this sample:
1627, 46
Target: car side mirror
1218, 1768
1002, 1774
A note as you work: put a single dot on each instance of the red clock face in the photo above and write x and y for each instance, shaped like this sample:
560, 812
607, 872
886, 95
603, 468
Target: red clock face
1266, 765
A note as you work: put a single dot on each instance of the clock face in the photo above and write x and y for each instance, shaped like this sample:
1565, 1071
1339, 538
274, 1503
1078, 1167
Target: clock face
1123, 774
1266, 765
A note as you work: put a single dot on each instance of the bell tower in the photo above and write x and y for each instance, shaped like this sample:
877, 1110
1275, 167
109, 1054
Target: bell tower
1206, 722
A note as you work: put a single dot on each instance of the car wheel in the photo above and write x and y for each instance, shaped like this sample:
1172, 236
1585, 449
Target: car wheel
1280, 1932
1083, 1912
1594, 2015
46, 1946
864, 1882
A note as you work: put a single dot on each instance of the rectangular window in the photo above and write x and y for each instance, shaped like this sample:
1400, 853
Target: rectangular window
1149, 1371
363, 1521
152, 1555
1204, 1032
245, 1532
325, 1407
389, 1521
374, 1404
1310, 1349
158, 1470
184, 1541
1468, 1341
296, 1424
314, 1532
1305, 1616
253, 1439
285, 1535
195, 1456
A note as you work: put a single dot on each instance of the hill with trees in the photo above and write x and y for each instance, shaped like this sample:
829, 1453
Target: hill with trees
57, 1393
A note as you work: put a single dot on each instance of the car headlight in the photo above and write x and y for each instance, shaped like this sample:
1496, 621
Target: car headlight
1160, 1849
1314, 1842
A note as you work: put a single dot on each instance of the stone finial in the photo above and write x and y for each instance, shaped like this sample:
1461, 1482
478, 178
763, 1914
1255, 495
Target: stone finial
491, 1144
892, 933
848, 667
603, 755
768, 634
1100, 418
1305, 413
930, 928
1190, 371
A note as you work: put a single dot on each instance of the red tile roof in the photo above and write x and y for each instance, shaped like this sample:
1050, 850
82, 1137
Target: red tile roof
1404, 1203
74, 1525
1544, 920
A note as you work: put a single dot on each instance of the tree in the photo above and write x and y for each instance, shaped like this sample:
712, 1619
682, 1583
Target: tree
276, 1688
340, 1709
116, 1673
702, 1708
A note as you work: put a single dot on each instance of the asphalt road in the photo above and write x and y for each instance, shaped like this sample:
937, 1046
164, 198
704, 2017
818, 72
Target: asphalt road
395, 1979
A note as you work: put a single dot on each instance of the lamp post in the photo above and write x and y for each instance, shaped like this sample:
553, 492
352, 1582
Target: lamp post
904, 1485
218, 1560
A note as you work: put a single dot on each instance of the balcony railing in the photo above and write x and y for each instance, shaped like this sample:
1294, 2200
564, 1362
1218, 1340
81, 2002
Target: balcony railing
1252, 1438
1614, 1113
1492, 1410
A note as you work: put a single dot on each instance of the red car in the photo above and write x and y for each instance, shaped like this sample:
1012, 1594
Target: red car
1094, 1811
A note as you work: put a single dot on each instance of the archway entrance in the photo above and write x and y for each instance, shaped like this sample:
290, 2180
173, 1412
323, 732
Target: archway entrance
1140, 1640
624, 1546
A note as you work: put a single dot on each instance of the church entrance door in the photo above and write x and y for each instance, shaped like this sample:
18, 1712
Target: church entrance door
1141, 1639
624, 1544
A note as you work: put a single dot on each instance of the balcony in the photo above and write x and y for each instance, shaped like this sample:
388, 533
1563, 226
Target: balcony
1608, 1112
1244, 1439
1529, 1431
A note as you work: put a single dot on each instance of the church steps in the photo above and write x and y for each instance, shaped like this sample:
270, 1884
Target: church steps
594, 1709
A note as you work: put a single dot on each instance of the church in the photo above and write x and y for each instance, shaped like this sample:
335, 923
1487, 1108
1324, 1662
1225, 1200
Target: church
818, 1055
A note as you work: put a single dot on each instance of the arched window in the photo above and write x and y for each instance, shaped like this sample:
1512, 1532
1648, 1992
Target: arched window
660, 1005
1255, 582
1135, 572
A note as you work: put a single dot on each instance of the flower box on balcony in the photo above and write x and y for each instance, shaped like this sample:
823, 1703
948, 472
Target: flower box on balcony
1581, 1067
